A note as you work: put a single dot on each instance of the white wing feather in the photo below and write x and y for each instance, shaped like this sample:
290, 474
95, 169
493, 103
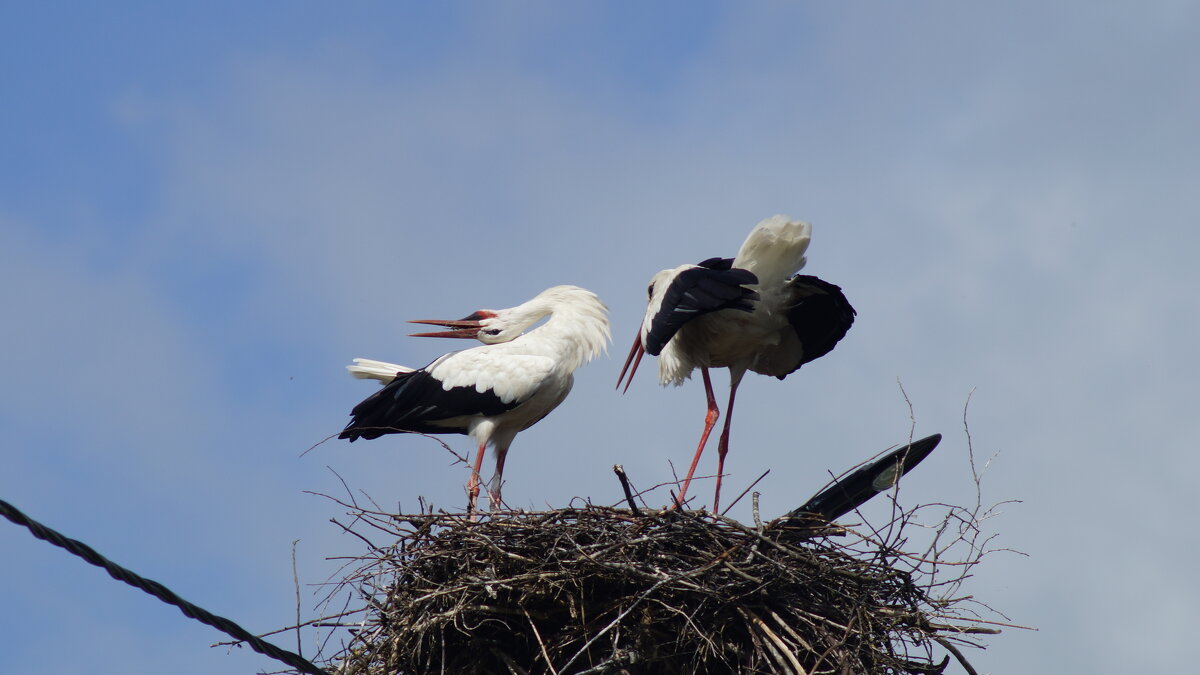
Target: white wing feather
513, 377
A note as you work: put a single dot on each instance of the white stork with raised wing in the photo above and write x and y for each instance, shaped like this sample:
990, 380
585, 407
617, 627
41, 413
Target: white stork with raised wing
490, 392
750, 312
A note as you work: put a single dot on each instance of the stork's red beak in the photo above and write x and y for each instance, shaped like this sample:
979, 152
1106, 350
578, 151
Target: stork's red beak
635, 357
464, 328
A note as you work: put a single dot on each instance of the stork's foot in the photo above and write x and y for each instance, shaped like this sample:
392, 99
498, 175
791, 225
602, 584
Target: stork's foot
473, 499
495, 502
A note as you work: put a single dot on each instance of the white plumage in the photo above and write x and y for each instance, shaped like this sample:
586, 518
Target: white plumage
750, 312
370, 369
490, 392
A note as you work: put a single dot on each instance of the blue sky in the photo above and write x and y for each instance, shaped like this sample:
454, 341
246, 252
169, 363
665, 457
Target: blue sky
207, 211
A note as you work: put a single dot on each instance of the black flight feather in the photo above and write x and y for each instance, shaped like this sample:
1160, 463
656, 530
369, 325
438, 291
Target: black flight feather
820, 315
713, 286
855, 489
413, 402
717, 263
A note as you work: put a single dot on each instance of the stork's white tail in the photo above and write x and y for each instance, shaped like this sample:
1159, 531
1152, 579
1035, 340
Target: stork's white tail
367, 369
775, 250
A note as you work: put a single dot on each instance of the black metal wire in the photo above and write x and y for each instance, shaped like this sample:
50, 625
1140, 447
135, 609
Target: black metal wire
159, 591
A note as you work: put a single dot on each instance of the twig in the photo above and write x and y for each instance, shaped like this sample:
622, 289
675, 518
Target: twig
296, 585
784, 650
620, 471
541, 644
748, 488
958, 655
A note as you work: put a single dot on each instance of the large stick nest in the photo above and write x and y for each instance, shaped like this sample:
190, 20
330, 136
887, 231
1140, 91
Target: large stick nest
604, 590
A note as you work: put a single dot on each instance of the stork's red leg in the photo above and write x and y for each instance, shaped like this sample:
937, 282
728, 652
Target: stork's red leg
723, 442
497, 480
473, 483
710, 420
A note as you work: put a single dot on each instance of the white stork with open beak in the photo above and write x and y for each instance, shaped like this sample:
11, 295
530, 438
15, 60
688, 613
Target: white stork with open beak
490, 392
751, 312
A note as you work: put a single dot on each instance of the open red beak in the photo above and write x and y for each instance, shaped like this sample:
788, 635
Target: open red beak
464, 328
635, 357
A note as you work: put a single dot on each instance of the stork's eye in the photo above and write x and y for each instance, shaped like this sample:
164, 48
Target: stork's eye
492, 331
650, 291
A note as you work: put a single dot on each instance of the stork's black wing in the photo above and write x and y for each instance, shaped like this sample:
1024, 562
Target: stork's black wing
820, 315
714, 285
414, 401
862, 484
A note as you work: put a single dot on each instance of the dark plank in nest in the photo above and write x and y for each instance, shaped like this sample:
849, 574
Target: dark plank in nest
600, 590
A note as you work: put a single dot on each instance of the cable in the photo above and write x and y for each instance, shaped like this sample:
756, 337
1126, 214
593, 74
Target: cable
159, 591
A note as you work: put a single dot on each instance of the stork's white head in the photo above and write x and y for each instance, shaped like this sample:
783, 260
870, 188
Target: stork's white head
493, 326
655, 293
